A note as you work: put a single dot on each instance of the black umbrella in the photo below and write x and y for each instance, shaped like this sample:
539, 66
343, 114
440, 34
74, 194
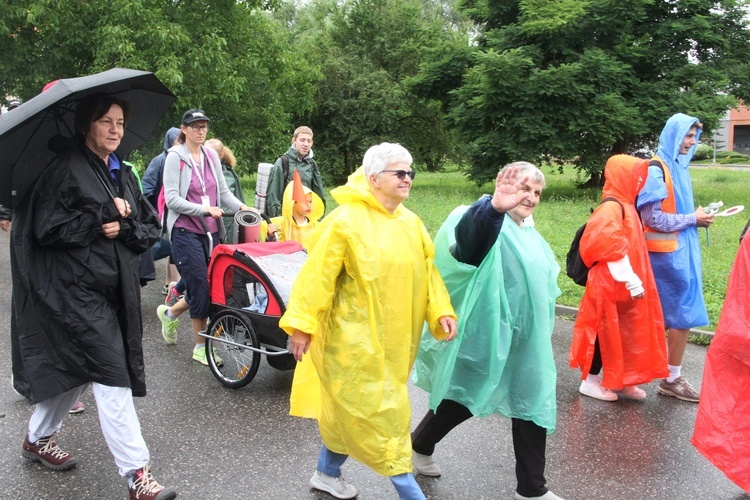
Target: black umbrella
25, 131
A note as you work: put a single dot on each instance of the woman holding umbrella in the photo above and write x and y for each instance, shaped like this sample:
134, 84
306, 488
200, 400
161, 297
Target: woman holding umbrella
76, 239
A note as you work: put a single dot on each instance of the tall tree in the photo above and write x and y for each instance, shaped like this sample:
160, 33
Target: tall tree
571, 81
367, 50
230, 57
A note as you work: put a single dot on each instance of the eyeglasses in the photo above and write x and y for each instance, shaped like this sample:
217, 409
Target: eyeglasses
401, 174
198, 128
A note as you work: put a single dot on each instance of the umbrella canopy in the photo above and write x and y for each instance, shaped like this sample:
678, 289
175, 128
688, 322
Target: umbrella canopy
26, 131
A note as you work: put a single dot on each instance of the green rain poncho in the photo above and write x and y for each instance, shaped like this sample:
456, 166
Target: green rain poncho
365, 292
501, 360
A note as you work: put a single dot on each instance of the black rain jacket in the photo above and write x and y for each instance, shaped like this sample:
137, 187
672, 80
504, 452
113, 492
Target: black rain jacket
76, 295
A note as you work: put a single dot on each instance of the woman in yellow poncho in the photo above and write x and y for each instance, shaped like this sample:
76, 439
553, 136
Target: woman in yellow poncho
357, 307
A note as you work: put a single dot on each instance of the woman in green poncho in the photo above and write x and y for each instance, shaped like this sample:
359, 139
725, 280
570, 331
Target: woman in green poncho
502, 277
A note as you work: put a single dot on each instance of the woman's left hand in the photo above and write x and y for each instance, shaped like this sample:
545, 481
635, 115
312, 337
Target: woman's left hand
111, 229
449, 327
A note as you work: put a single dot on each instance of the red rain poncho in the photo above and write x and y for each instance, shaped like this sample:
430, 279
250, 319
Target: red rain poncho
630, 331
722, 428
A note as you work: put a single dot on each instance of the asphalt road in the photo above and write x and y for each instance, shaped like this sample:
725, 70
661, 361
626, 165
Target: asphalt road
215, 443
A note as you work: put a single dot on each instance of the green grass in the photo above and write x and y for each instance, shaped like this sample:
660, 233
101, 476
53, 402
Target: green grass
564, 208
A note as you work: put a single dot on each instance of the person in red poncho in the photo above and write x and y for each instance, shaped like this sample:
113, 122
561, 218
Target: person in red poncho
722, 428
620, 326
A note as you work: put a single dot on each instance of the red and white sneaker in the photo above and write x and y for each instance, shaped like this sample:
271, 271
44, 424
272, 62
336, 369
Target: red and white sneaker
46, 452
172, 296
143, 486
76, 408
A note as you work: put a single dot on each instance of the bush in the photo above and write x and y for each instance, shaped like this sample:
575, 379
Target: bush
726, 157
703, 152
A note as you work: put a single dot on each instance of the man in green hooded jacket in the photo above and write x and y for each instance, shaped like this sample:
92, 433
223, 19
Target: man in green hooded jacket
299, 157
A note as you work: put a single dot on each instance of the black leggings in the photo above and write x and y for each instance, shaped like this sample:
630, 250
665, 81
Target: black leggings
596, 361
529, 443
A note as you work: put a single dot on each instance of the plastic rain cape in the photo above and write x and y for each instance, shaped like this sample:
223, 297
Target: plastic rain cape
630, 332
289, 230
679, 274
501, 360
722, 428
364, 294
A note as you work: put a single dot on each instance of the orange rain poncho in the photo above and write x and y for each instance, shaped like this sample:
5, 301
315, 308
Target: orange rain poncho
631, 331
722, 429
364, 294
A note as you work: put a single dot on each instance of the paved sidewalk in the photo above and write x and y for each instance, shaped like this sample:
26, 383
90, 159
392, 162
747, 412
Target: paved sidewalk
215, 443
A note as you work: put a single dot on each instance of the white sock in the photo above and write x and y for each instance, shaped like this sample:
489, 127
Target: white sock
674, 373
592, 378
169, 315
198, 347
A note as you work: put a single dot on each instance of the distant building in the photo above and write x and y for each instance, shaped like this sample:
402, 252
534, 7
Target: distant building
733, 133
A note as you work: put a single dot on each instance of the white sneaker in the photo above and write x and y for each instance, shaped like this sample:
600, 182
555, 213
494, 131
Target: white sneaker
633, 392
547, 496
596, 391
425, 465
336, 486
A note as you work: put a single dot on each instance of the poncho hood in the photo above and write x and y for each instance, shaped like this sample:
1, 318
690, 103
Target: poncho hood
357, 189
624, 177
671, 138
170, 137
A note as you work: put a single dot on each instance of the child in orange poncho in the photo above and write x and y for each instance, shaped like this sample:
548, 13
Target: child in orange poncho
620, 325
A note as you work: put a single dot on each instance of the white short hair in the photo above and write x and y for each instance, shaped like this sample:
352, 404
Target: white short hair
379, 157
526, 168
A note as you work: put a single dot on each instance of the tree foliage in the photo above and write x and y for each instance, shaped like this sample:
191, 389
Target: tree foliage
231, 58
367, 50
556, 81
571, 81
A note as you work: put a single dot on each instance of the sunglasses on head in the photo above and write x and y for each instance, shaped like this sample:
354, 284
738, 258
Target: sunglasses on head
401, 174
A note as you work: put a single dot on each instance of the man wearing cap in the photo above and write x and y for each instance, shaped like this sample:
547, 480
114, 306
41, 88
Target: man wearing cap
298, 157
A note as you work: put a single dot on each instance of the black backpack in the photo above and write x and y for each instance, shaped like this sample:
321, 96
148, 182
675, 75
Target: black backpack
285, 168
574, 265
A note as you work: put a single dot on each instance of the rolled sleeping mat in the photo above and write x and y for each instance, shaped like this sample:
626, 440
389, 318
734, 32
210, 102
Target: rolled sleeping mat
261, 185
247, 226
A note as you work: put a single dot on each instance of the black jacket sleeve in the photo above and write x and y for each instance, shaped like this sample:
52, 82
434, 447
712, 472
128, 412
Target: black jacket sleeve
477, 232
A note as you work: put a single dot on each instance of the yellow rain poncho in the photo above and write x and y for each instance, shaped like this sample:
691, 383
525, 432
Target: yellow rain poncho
307, 398
288, 229
364, 293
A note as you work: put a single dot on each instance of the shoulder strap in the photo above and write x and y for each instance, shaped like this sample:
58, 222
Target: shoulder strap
657, 163
285, 168
611, 198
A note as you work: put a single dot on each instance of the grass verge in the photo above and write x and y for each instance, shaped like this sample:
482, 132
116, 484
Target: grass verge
565, 207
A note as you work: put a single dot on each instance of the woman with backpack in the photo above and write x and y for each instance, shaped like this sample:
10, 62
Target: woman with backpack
194, 191
619, 326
